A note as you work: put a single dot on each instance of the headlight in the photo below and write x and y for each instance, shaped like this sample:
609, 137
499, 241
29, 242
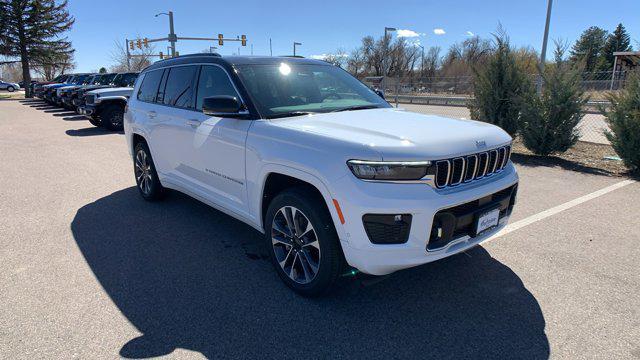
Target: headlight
390, 170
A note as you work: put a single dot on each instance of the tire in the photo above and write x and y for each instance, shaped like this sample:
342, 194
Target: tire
303, 253
144, 171
112, 117
11, 89
95, 120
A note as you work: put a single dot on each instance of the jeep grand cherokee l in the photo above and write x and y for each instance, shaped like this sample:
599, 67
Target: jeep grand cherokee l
324, 167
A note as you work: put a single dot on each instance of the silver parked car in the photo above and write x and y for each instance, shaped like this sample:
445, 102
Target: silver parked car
9, 86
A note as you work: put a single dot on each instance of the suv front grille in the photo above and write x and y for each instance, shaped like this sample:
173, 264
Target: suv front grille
452, 172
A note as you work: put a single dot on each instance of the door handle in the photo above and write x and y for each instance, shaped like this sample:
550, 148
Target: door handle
193, 123
152, 114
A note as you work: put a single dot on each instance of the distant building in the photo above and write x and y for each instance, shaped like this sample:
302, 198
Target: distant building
623, 63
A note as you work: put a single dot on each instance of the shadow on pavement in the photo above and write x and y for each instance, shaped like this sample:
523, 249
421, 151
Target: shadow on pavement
74, 117
91, 131
56, 110
551, 161
65, 113
188, 276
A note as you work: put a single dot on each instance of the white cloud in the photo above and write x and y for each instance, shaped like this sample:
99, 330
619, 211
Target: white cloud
407, 33
439, 31
469, 33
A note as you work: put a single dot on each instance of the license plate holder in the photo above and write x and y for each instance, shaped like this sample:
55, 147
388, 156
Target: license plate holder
486, 220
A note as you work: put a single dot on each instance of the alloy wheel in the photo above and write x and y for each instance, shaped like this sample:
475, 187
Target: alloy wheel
144, 175
295, 244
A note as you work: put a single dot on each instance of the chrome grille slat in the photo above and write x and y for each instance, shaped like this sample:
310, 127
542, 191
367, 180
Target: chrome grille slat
471, 167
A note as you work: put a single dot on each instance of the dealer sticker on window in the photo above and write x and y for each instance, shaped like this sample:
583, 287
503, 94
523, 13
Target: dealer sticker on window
488, 220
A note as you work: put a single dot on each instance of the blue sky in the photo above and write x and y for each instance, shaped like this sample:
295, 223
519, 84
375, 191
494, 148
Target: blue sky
324, 26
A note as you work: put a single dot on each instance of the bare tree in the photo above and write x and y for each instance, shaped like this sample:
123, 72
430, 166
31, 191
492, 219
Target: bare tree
144, 57
50, 64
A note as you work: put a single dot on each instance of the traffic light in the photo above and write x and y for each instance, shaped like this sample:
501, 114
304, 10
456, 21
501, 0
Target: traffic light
139, 43
244, 40
220, 39
131, 45
161, 55
145, 41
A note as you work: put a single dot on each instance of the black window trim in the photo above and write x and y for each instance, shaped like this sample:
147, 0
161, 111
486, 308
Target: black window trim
197, 79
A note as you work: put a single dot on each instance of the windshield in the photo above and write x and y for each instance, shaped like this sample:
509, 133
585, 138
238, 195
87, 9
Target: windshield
78, 80
292, 89
91, 79
106, 79
125, 80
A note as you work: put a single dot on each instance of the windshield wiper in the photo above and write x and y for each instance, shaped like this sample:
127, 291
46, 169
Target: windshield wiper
289, 114
357, 107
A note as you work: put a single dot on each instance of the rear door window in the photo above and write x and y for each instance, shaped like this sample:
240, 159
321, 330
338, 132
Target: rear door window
149, 87
179, 87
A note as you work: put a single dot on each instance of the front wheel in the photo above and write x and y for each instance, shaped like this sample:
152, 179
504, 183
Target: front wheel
112, 117
95, 120
11, 89
303, 243
145, 172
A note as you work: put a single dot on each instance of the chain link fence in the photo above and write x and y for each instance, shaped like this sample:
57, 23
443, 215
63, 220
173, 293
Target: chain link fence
450, 96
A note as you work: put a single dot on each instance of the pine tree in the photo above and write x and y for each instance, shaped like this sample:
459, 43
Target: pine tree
30, 28
549, 120
588, 49
498, 87
624, 121
619, 40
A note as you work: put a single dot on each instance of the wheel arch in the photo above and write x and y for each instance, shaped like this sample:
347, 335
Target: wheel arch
280, 178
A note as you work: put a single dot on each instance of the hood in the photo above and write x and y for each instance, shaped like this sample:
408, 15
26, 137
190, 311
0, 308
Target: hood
402, 135
115, 90
55, 86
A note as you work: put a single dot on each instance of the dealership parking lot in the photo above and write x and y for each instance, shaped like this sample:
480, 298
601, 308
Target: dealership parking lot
88, 269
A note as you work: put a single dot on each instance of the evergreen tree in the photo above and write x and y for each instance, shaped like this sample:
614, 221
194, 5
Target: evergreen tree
29, 28
498, 87
619, 40
103, 70
588, 49
624, 121
548, 120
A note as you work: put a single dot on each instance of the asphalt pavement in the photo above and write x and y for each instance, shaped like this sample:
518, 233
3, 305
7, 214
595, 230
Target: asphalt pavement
90, 270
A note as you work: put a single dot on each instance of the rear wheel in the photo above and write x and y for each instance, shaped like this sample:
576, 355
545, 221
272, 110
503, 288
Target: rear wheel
11, 89
112, 117
303, 243
145, 173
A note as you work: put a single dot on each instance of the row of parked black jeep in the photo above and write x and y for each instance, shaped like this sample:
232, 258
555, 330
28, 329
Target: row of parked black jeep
100, 97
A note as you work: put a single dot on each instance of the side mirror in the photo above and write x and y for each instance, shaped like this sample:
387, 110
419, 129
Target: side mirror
379, 92
224, 106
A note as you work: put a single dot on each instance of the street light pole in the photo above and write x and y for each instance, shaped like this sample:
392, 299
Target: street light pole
172, 35
294, 47
543, 53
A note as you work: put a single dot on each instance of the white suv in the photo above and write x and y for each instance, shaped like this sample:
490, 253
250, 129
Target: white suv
323, 166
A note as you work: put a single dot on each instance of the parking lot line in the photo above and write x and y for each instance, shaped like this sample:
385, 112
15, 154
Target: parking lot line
557, 209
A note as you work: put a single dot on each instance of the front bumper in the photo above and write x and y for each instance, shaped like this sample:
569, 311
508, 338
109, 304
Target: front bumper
87, 110
422, 202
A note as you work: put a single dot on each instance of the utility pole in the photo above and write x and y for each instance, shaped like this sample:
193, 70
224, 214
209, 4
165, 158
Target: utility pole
251, 49
543, 53
422, 60
270, 48
126, 46
294, 47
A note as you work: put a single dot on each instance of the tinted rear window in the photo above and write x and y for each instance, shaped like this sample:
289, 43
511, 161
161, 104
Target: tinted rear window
179, 89
149, 87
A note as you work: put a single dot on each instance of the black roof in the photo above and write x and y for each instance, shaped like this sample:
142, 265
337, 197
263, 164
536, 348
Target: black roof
232, 60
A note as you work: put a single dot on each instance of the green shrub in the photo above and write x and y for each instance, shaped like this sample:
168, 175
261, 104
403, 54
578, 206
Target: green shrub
624, 121
548, 120
498, 87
